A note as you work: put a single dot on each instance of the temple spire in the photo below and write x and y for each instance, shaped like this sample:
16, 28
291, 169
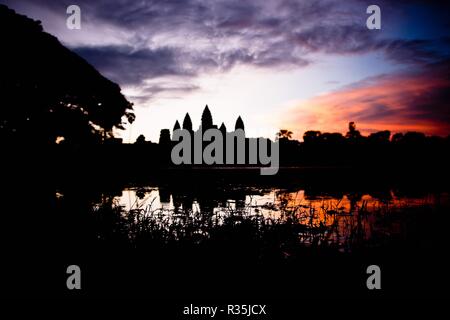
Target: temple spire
239, 124
222, 128
176, 126
187, 123
207, 122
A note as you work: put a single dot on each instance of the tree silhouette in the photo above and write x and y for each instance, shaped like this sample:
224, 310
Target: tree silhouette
398, 137
311, 136
380, 137
48, 91
414, 138
284, 134
352, 132
332, 138
140, 139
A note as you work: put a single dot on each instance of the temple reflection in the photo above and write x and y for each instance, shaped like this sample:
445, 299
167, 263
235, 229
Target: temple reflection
341, 219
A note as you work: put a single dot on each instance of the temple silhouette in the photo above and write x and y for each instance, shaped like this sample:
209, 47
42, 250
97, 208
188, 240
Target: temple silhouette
206, 123
166, 141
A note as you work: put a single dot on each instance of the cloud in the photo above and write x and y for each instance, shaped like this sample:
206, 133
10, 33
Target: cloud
148, 92
185, 38
416, 51
128, 66
412, 101
335, 39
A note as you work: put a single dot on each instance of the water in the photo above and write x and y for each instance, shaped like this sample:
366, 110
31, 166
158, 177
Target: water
342, 220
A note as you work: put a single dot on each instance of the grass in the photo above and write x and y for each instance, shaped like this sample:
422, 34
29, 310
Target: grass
280, 227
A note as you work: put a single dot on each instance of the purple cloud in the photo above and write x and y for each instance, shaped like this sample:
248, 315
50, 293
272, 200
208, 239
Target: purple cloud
185, 38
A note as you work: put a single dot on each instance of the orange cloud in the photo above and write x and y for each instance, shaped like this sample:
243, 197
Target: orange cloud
399, 103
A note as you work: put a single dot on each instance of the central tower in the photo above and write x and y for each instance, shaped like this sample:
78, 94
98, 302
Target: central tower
207, 122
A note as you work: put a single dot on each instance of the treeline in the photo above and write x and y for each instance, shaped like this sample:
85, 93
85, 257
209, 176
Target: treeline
353, 149
381, 149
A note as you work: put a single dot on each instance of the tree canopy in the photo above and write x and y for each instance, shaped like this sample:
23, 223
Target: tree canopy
49, 92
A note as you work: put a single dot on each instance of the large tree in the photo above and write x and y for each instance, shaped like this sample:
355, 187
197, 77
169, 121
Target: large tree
48, 92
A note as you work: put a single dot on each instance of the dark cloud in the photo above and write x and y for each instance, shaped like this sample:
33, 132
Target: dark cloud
375, 112
149, 92
185, 38
126, 65
335, 39
412, 51
129, 66
354, 39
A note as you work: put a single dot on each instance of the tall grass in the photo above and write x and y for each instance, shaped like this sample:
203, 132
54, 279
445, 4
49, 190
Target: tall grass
279, 226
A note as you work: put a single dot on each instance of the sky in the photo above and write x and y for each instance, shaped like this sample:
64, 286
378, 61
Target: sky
279, 64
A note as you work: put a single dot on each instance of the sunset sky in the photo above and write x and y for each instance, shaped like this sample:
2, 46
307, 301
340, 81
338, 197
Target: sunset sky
298, 65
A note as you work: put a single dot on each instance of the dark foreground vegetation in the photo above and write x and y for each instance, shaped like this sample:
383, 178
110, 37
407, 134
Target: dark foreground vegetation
180, 253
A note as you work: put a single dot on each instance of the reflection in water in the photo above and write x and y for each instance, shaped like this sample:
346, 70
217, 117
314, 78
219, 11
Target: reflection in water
343, 221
